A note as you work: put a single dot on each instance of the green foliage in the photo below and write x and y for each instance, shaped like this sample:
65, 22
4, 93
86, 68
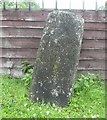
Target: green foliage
21, 4
85, 81
26, 67
27, 78
103, 7
27, 70
87, 100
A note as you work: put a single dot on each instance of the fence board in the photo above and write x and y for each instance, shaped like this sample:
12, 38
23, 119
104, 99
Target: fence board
23, 23
20, 43
93, 53
18, 53
21, 32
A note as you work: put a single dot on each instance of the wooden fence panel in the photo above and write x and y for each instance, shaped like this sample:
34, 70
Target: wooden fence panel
22, 30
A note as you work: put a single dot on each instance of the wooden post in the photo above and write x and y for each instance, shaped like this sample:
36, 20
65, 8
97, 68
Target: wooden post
16, 5
96, 5
29, 6
42, 4
83, 4
69, 4
56, 4
4, 5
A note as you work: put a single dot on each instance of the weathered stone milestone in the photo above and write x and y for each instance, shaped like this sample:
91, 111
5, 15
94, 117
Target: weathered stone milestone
57, 58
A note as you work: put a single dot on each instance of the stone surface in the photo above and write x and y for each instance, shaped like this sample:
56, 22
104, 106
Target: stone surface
57, 58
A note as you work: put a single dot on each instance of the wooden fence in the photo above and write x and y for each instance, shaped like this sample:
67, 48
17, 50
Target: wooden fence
22, 30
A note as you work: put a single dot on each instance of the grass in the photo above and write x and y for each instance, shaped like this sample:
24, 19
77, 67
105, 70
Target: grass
88, 100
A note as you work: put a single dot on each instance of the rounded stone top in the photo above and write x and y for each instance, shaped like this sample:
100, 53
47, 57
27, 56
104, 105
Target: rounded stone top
61, 14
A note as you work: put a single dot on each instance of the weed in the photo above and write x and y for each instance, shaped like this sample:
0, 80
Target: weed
27, 70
